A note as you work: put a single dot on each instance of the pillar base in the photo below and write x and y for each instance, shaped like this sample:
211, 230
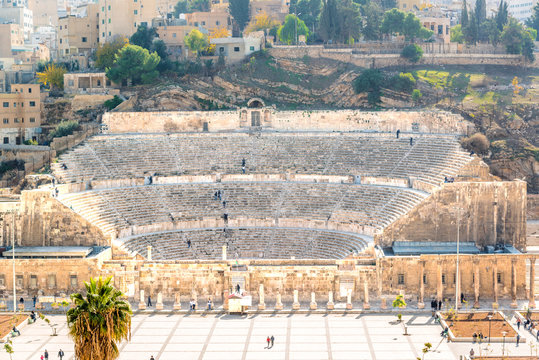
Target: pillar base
159, 306
495, 305
279, 306
313, 306
514, 304
20, 307
349, 306
295, 306
531, 304
177, 306
366, 306
330, 305
261, 306
383, 305
476, 305
420, 305
142, 306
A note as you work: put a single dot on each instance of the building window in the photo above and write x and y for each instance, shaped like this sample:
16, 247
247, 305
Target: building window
19, 280
400, 279
32, 103
84, 39
30, 90
424, 278
60, 41
221, 49
109, 21
33, 281
252, 48
73, 282
443, 279
32, 120
6, 104
236, 49
499, 278
203, 23
51, 281
217, 23
6, 121
6, 140
16, 120
109, 7
136, 12
173, 35
2, 277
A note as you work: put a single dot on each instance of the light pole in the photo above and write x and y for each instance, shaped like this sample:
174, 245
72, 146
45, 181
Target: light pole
504, 333
12, 211
296, 27
457, 277
489, 320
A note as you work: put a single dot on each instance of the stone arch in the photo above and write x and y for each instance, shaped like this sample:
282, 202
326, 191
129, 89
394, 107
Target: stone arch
256, 103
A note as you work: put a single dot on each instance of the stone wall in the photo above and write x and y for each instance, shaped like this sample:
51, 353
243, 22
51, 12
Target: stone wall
43, 221
339, 120
491, 213
386, 60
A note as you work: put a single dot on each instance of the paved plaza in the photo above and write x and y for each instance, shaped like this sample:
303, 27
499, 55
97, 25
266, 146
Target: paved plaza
297, 336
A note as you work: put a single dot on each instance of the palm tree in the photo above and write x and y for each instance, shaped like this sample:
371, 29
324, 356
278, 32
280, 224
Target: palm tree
99, 321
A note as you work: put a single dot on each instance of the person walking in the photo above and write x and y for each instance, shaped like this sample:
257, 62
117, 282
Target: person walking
35, 300
46, 355
268, 341
398, 133
472, 353
151, 358
518, 323
209, 304
272, 340
188, 243
149, 301
439, 304
411, 141
518, 339
60, 354
238, 288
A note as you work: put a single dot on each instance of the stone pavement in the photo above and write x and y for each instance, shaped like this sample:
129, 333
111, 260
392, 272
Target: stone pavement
297, 336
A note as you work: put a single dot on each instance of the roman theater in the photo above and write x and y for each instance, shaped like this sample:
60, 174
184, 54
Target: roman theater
300, 209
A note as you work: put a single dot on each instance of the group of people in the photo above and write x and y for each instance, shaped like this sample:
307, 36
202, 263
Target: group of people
270, 340
436, 304
528, 325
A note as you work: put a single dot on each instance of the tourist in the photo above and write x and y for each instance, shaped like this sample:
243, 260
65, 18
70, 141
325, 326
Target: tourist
474, 338
518, 338
439, 304
21, 301
192, 305
243, 162
518, 323
46, 355
209, 304
215, 196
472, 353
225, 217
33, 316
243, 169
15, 331
188, 243
268, 340
398, 133
151, 358
224, 204
35, 300
60, 354
42, 357
219, 194
238, 288
149, 301
462, 298
537, 335
272, 340
481, 337
433, 306
411, 141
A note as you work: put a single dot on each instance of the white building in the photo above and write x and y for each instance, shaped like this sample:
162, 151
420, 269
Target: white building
18, 15
521, 9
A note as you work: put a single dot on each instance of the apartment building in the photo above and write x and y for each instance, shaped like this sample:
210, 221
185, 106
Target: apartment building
277, 9
441, 26
209, 20
122, 17
20, 117
18, 15
521, 9
14, 3
173, 33
78, 34
45, 12
11, 40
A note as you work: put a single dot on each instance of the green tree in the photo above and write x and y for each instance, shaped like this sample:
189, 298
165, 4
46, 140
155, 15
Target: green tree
399, 303
8, 348
389, 4
492, 31
528, 45
464, 15
471, 31
393, 22
412, 52
181, 7
199, 5
196, 41
329, 21
106, 53
99, 322
501, 15
480, 11
112, 103
371, 82
53, 76
240, 10
404, 82
533, 21
411, 28
143, 37
309, 11
456, 34
350, 20
287, 31
64, 128
136, 64
416, 96
372, 14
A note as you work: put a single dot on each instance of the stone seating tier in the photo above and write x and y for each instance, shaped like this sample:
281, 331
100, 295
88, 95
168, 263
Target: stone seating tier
259, 243
364, 205
130, 156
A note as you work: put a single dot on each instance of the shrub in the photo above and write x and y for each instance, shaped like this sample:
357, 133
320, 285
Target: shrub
370, 81
6, 166
477, 143
416, 95
65, 128
30, 142
403, 82
112, 103
412, 52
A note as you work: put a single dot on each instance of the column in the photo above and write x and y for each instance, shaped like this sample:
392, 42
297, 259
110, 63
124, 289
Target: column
261, 304
313, 305
366, 305
177, 302
476, 283
278, 304
142, 304
440, 289
223, 254
149, 256
531, 304
349, 300
495, 278
514, 304
295, 305
225, 300
330, 305
159, 304
420, 303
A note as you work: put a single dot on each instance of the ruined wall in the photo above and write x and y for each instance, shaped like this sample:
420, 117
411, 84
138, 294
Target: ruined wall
44, 221
53, 276
340, 120
490, 213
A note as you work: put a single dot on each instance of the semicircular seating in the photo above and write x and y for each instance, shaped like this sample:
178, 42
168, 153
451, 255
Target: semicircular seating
262, 243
